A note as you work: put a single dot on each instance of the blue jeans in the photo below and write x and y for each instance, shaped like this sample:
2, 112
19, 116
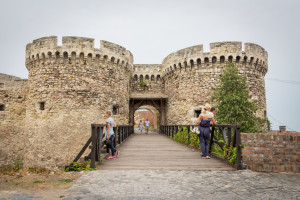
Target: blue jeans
111, 146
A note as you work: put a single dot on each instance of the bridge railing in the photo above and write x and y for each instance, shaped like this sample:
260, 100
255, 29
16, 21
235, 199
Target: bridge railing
221, 135
96, 141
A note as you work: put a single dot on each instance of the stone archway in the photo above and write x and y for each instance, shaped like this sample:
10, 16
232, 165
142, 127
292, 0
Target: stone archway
148, 112
156, 105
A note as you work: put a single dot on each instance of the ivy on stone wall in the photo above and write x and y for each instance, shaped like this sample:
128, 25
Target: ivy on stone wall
143, 84
233, 101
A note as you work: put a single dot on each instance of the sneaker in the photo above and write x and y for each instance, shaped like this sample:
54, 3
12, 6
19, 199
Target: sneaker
117, 154
203, 157
111, 157
207, 157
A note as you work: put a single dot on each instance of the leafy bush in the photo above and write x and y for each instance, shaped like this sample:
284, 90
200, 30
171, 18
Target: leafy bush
188, 138
38, 170
228, 152
18, 164
75, 166
143, 84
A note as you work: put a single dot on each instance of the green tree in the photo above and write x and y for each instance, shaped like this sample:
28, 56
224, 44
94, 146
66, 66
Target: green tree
232, 99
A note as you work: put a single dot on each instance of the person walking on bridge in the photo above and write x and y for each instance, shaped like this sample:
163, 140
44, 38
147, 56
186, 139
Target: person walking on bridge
204, 120
141, 126
110, 135
147, 122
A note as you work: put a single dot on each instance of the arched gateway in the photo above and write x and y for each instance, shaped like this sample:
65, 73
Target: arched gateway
146, 101
46, 119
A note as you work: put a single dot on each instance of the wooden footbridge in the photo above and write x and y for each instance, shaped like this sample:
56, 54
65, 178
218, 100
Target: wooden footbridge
157, 151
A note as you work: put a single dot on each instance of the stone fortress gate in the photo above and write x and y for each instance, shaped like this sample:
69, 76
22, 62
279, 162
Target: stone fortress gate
46, 118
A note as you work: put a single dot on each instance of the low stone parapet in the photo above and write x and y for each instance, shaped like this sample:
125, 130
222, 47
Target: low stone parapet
272, 151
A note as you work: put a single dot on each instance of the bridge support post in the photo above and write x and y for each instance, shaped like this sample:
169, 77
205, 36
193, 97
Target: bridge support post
93, 147
238, 148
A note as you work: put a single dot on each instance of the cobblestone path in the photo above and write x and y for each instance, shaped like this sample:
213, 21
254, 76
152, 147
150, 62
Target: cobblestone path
165, 184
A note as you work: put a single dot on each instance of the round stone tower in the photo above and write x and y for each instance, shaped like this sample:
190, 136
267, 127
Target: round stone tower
190, 74
70, 87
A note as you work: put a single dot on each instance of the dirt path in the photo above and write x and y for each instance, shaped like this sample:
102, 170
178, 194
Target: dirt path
46, 186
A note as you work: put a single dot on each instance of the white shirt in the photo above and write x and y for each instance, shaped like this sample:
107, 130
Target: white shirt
207, 115
147, 123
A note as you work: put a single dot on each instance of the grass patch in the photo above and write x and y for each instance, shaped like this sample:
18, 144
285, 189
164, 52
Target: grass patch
38, 181
66, 180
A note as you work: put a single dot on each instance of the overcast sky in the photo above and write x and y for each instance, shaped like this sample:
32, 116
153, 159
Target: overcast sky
152, 29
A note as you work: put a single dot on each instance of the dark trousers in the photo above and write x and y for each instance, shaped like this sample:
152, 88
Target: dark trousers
111, 146
204, 138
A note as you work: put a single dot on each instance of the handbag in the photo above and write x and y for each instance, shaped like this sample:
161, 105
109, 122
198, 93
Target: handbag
196, 130
107, 143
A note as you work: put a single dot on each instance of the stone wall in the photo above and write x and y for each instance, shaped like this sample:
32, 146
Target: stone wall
190, 74
149, 74
13, 96
272, 152
68, 91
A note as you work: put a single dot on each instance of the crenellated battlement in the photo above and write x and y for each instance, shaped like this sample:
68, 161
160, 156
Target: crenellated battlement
144, 72
72, 48
149, 74
225, 47
220, 52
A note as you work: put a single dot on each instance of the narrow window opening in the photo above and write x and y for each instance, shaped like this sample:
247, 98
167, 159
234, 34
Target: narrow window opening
97, 58
65, 55
42, 105
115, 110
198, 62
206, 60
245, 59
112, 60
57, 55
81, 57
158, 78
222, 59
197, 113
230, 59
90, 58
214, 59
49, 55
43, 57
2, 107
192, 63
251, 60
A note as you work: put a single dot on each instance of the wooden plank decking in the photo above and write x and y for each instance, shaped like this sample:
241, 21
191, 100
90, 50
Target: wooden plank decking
154, 151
